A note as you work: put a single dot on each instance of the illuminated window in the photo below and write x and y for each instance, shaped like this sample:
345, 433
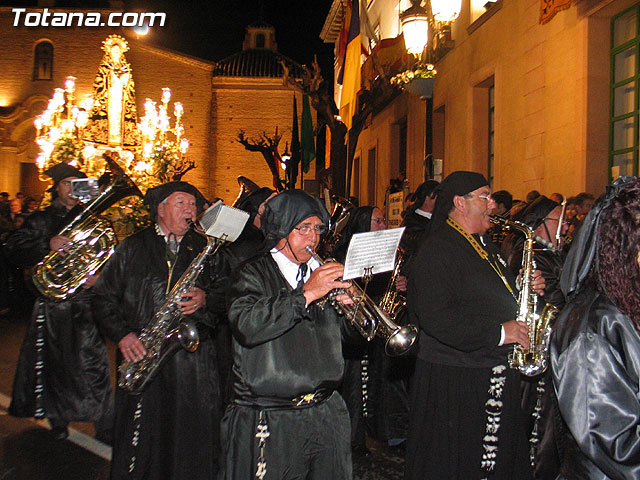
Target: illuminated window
43, 61
260, 40
371, 176
402, 149
623, 125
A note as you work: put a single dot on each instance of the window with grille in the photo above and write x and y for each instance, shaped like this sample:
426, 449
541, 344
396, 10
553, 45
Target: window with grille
623, 125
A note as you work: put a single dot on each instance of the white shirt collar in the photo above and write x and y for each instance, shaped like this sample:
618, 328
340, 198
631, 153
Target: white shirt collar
160, 232
289, 269
422, 213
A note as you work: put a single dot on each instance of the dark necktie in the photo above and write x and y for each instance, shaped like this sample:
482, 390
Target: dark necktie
302, 271
172, 248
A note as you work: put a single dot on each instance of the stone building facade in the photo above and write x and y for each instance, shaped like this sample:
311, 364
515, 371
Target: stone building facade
216, 106
531, 101
249, 95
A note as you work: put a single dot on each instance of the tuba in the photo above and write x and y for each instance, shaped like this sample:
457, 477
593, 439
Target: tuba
530, 361
339, 217
93, 240
370, 320
157, 338
247, 187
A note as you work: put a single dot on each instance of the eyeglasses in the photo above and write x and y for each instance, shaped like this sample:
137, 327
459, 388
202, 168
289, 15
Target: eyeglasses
377, 220
305, 229
486, 197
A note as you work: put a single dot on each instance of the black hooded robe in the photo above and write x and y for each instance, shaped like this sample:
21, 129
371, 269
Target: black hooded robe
595, 355
460, 302
63, 367
282, 351
170, 431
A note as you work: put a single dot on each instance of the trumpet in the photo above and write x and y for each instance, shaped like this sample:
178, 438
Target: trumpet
369, 319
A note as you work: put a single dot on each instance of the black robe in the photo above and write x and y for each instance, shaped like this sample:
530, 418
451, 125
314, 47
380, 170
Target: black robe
537, 395
416, 229
460, 302
171, 429
225, 264
595, 356
63, 368
283, 351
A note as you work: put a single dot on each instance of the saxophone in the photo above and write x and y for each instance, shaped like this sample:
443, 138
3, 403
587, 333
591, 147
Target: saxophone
530, 361
158, 340
393, 303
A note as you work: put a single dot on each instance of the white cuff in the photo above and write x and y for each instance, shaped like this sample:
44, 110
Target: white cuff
502, 335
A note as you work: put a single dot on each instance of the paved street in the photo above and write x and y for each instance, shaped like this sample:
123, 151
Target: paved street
27, 450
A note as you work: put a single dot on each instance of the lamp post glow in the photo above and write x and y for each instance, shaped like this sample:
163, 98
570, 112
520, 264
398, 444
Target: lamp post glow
415, 27
446, 11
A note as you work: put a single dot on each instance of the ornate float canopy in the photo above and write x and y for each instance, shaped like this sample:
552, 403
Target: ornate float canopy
151, 150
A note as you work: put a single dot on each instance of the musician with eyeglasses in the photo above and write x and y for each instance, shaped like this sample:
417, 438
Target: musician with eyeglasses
63, 368
363, 368
465, 400
286, 419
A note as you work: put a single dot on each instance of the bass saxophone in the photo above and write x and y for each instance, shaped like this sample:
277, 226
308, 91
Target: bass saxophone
370, 320
530, 361
158, 340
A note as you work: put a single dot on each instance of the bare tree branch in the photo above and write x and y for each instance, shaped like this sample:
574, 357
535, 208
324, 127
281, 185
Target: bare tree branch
268, 147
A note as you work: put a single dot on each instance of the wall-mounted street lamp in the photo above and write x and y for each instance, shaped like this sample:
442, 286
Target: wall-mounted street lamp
285, 157
415, 26
445, 11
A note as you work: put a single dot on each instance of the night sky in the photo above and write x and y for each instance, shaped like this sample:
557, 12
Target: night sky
215, 29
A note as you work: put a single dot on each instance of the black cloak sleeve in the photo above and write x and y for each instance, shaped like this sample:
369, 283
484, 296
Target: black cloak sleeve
595, 356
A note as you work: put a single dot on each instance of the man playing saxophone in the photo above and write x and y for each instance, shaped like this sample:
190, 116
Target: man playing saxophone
286, 419
169, 431
465, 400
63, 369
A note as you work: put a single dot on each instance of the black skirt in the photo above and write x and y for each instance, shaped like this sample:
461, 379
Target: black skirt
448, 421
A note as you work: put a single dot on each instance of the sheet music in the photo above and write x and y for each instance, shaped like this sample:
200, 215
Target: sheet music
223, 221
373, 251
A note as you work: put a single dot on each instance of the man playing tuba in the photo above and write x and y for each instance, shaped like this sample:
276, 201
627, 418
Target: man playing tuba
63, 369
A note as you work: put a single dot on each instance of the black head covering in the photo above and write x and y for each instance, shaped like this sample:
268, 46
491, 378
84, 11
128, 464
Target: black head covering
157, 194
584, 247
534, 213
458, 183
63, 170
251, 203
423, 191
285, 211
59, 172
359, 221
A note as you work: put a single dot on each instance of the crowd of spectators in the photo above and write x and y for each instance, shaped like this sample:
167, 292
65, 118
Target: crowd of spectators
14, 294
